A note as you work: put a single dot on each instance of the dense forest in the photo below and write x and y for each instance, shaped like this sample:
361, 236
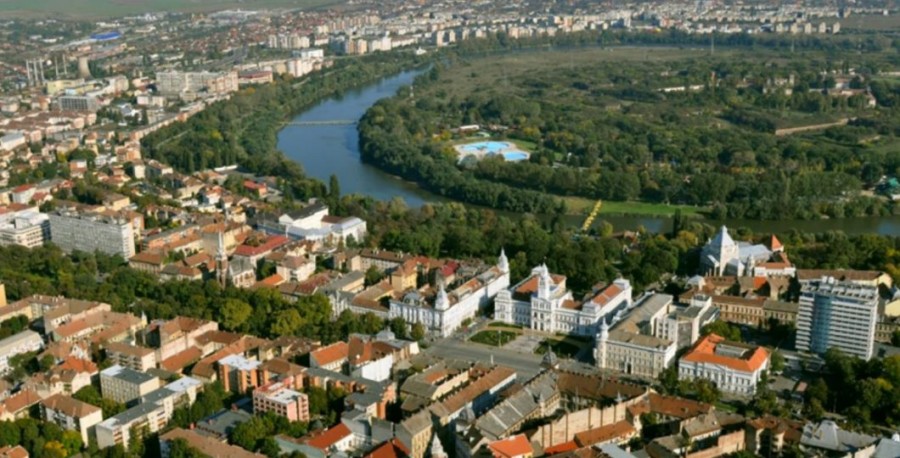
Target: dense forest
685, 128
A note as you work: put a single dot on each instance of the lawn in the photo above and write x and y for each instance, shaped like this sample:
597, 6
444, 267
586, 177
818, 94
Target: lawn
494, 338
566, 347
580, 206
97, 9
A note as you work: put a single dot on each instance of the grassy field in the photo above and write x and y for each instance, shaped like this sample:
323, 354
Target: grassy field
98, 9
494, 338
580, 206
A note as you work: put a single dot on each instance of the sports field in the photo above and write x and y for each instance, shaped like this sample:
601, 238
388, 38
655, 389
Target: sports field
98, 9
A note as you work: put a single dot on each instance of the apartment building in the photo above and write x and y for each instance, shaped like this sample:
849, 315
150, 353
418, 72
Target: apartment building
154, 412
89, 231
29, 229
71, 414
131, 356
125, 385
282, 400
23, 342
837, 314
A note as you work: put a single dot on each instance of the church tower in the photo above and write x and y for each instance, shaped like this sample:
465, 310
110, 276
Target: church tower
602, 339
544, 283
221, 260
441, 301
503, 262
437, 449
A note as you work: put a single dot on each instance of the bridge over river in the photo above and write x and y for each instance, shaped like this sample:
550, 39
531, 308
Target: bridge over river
329, 122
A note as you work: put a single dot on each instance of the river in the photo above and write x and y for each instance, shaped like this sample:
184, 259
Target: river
324, 150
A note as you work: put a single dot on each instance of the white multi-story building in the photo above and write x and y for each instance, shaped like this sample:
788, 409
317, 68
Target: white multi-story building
124, 385
154, 412
837, 314
174, 83
28, 228
631, 345
71, 414
543, 303
443, 312
734, 367
89, 231
23, 342
682, 325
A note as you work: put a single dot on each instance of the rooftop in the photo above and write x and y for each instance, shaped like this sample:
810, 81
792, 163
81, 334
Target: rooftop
714, 349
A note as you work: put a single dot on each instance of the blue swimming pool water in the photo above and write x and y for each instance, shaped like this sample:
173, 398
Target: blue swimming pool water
485, 147
509, 151
513, 156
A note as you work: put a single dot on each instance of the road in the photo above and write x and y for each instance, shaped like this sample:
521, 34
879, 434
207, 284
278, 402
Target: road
526, 365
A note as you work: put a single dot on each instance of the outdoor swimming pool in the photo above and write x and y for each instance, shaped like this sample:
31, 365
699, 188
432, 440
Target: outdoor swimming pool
480, 150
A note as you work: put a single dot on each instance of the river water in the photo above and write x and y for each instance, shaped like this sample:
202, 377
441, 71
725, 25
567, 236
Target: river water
324, 150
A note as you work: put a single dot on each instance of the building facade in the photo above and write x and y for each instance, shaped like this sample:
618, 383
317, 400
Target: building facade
837, 314
71, 414
91, 231
23, 342
631, 345
444, 312
124, 385
542, 302
282, 400
734, 367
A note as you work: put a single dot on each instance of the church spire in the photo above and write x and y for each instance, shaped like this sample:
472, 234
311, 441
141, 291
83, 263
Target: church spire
503, 262
221, 258
441, 302
544, 282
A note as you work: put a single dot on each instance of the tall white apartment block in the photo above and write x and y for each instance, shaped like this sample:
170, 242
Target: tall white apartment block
89, 231
837, 314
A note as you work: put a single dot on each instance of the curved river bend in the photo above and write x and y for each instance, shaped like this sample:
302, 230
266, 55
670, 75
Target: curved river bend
326, 149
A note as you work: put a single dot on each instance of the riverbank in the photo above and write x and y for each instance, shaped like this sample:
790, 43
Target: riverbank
581, 205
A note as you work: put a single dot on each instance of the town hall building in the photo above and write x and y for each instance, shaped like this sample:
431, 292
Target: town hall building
543, 303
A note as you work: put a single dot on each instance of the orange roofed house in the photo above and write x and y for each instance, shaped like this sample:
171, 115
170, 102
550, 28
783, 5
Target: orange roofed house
734, 367
512, 447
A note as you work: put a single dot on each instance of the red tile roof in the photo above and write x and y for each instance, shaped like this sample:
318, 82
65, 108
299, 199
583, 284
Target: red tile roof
603, 434
272, 242
608, 294
334, 352
78, 365
704, 351
530, 286
511, 447
180, 360
329, 437
561, 448
390, 449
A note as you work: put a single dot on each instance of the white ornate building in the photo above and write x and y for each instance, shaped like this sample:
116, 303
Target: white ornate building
443, 312
543, 303
723, 256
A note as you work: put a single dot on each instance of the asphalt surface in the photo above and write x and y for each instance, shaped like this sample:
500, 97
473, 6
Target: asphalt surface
526, 365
